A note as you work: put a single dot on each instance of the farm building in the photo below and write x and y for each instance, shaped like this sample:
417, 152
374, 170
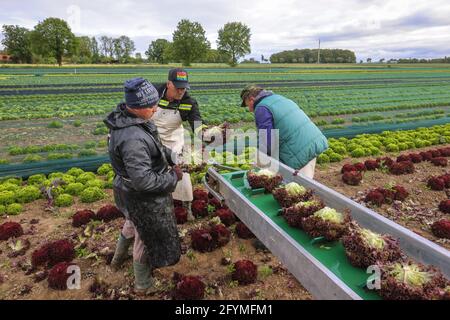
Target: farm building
5, 58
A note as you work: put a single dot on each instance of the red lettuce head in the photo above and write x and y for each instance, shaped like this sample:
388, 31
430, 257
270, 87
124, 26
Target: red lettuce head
439, 161
245, 272
189, 288
226, 216
352, 178
364, 248
61, 251
436, 153
375, 197
267, 182
444, 206
408, 280
216, 203
385, 161
82, 217
403, 167
202, 240
403, 157
400, 193
221, 235
436, 183
53, 253
200, 194
41, 256
347, 168
10, 230
243, 232
58, 276
360, 166
371, 165
426, 156
416, 157
108, 213
177, 203
294, 214
181, 215
441, 228
445, 152
199, 208
446, 178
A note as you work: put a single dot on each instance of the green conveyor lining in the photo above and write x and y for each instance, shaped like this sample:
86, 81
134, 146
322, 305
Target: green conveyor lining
330, 254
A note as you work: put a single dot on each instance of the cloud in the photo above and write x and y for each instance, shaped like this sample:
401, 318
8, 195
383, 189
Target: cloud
376, 29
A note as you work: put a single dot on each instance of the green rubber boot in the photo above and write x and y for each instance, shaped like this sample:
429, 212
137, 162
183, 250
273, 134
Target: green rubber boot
121, 253
144, 282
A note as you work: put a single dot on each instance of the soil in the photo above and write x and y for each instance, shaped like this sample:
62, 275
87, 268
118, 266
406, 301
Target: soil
416, 213
16, 282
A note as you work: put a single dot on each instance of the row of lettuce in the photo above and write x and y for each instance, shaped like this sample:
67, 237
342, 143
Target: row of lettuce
60, 189
363, 145
314, 100
35, 153
366, 145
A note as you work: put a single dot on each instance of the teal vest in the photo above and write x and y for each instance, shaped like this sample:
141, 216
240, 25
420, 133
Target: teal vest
300, 140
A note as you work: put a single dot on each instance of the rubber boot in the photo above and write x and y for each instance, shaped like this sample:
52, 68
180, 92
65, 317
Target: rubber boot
143, 281
121, 253
187, 206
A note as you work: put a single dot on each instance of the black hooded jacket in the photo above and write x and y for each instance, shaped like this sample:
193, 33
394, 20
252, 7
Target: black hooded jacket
144, 183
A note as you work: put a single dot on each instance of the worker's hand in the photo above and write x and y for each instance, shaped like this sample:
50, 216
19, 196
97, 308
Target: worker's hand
178, 172
198, 132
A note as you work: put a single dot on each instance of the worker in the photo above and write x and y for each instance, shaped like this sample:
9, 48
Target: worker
300, 140
174, 107
143, 185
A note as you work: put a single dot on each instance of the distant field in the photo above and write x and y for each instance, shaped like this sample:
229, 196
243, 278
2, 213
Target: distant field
336, 97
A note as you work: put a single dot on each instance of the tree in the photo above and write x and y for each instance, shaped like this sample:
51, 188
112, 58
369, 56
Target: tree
117, 49
17, 43
138, 58
189, 42
123, 47
84, 47
107, 46
155, 52
52, 38
369, 60
168, 54
94, 50
310, 56
216, 56
128, 47
234, 39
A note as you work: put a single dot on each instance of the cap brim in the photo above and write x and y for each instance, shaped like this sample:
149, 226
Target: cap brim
181, 84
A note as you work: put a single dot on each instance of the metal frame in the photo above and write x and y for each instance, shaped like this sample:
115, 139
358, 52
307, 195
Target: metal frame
414, 245
315, 277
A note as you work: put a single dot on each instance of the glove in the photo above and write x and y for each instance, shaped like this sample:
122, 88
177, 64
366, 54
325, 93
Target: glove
178, 172
198, 132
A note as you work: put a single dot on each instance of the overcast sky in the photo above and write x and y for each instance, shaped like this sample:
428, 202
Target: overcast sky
376, 29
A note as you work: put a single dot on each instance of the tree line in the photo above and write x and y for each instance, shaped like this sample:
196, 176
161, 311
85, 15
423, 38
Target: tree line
189, 44
311, 56
52, 41
415, 60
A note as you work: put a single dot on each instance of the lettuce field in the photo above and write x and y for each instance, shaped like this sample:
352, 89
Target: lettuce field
389, 144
